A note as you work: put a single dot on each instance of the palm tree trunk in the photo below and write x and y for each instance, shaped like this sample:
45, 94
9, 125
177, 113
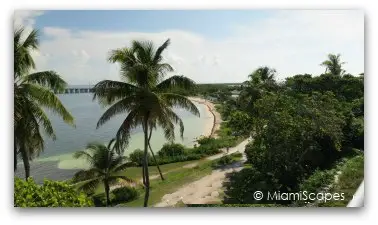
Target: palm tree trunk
153, 155
25, 158
106, 185
145, 164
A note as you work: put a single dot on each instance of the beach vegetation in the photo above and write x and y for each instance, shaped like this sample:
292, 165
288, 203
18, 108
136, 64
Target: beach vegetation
105, 168
49, 194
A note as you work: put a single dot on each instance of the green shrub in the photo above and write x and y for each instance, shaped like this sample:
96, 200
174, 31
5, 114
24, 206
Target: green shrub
172, 149
50, 194
124, 194
222, 161
205, 140
318, 180
99, 200
137, 157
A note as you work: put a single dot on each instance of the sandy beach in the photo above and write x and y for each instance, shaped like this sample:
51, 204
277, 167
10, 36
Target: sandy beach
213, 125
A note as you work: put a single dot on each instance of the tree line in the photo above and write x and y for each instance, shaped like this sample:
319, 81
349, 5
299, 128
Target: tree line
299, 126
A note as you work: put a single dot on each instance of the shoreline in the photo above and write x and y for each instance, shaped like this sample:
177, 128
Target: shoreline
214, 125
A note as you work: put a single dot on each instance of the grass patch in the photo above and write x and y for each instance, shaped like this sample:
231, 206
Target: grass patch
173, 181
352, 174
135, 173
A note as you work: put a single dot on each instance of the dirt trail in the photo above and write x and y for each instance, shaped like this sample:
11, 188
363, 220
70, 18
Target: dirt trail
205, 189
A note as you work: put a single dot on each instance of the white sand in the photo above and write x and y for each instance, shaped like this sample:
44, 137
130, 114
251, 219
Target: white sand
213, 124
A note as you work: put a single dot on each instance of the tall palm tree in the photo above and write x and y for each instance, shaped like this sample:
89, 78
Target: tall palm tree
333, 65
32, 93
144, 95
105, 167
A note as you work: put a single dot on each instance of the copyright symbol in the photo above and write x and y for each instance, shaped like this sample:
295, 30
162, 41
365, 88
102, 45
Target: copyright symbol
258, 195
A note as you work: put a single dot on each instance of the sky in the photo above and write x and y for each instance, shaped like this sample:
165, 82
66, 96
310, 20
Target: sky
210, 46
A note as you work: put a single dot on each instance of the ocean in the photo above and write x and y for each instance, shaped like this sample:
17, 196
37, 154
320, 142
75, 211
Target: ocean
56, 162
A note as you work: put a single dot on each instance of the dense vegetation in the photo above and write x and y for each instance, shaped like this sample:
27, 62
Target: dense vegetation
301, 127
50, 194
174, 152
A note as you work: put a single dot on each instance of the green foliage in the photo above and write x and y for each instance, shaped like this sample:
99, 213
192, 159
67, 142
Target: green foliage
105, 168
124, 194
350, 178
226, 160
240, 123
300, 128
172, 149
137, 157
318, 180
50, 194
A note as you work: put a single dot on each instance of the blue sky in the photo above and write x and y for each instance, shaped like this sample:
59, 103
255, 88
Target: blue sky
207, 46
213, 24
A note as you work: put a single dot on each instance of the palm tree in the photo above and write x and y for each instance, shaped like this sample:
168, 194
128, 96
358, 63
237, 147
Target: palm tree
260, 81
333, 65
32, 92
105, 166
143, 95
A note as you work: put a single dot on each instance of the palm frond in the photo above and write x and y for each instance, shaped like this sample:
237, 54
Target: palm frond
122, 167
159, 51
31, 42
124, 105
176, 81
48, 99
49, 79
123, 178
42, 119
89, 185
108, 91
84, 175
123, 134
85, 155
179, 101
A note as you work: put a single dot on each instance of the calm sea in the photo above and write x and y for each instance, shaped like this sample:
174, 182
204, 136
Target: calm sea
56, 161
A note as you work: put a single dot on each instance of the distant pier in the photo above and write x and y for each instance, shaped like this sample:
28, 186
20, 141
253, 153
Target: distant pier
77, 89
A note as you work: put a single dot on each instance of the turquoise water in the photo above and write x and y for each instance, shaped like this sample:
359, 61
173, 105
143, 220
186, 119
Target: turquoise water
86, 113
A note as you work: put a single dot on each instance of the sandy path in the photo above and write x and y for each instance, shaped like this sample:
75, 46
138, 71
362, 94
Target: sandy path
213, 125
206, 189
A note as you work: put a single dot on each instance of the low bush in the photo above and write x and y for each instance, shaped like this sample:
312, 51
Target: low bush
172, 149
124, 194
318, 180
99, 200
50, 194
137, 157
224, 160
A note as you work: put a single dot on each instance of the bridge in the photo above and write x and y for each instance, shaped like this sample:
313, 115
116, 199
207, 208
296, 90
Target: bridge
77, 89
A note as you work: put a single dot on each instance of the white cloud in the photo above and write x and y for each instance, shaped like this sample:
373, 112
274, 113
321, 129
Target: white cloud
56, 32
290, 41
